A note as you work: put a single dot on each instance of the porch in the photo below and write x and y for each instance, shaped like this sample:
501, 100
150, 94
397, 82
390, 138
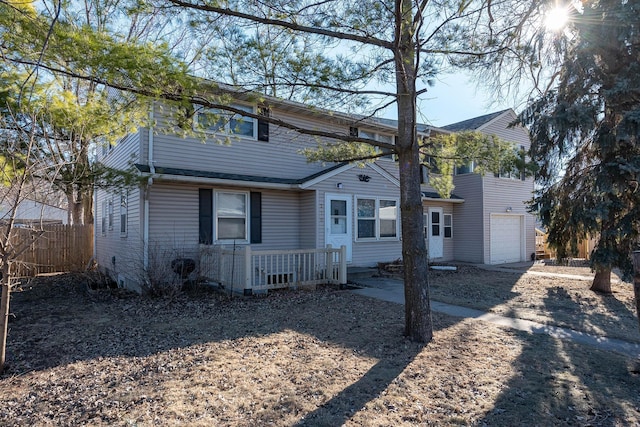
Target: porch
242, 270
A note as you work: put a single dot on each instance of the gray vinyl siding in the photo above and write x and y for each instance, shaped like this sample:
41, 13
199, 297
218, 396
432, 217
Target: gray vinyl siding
174, 217
308, 220
124, 153
280, 221
448, 243
278, 158
500, 127
120, 255
468, 233
503, 193
365, 253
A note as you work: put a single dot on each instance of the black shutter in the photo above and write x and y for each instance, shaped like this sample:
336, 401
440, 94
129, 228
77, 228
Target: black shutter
353, 131
256, 217
263, 125
206, 216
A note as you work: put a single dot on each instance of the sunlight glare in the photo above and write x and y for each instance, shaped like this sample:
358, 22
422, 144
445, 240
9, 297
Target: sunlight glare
557, 18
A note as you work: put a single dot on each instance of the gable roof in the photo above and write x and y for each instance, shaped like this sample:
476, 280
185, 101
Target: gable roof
474, 123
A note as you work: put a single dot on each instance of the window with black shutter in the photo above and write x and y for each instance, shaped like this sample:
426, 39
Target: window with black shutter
256, 217
205, 216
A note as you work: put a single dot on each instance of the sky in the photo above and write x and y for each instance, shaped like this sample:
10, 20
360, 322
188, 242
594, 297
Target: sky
455, 98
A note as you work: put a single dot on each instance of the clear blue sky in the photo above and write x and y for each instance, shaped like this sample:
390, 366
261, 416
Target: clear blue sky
455, 98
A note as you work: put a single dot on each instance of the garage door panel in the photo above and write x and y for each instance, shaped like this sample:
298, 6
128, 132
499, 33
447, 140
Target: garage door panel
506, 238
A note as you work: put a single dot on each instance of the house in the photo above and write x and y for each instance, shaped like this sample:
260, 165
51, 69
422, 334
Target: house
493, 225
33, 212
257, 195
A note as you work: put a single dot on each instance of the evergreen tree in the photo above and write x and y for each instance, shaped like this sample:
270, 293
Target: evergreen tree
585, 138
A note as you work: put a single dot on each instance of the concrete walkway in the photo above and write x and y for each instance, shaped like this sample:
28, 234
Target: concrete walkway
392, 290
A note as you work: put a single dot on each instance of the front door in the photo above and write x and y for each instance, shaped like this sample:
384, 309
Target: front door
435, 233
338, 222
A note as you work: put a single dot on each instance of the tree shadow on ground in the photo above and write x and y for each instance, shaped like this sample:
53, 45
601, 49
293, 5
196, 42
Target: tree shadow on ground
559, 382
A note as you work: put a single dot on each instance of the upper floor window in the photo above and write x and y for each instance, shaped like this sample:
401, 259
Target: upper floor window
222, 121
466, 168
386, 138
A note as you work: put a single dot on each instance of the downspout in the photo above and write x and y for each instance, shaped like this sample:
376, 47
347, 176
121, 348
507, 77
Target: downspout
152, 171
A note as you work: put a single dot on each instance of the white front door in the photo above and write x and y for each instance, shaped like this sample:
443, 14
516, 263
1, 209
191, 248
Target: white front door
338, 222
435, 233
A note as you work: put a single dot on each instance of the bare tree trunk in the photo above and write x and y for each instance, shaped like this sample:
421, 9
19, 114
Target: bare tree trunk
87, 206
4, 314
418, 323
75, 209
602, 281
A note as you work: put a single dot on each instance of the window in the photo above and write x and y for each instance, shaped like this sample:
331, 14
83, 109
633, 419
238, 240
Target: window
103, 227
231, 216
366, 218
222, 121
123, 214
388, 139
110, 214
467, 168
338, 217
435, 223
377, 218
448, 226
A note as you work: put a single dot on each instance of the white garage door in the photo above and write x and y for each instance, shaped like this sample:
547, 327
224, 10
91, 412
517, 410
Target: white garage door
506, 238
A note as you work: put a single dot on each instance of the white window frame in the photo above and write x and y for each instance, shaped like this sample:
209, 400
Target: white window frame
227, 118
377, 219
445, 226
110, 214
382, 137
471, 165
103, 220
124, 214
216, 216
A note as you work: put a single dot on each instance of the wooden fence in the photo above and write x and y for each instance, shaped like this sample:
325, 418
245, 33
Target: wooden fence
58, 248
543, 251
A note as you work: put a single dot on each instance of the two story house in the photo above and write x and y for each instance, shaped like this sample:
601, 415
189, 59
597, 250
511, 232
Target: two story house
248, 188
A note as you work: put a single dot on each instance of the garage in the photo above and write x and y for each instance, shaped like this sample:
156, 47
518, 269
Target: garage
507, 238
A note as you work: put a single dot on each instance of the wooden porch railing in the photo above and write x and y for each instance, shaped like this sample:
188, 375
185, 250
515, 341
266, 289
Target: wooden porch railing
243, 270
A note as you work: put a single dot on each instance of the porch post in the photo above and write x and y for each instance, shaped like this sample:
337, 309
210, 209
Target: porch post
248, 277
342, 272
329, 258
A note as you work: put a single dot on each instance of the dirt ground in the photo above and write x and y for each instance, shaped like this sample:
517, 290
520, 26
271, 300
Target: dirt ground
326, 357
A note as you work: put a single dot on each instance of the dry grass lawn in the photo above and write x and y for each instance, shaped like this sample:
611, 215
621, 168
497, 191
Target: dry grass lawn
323, 358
